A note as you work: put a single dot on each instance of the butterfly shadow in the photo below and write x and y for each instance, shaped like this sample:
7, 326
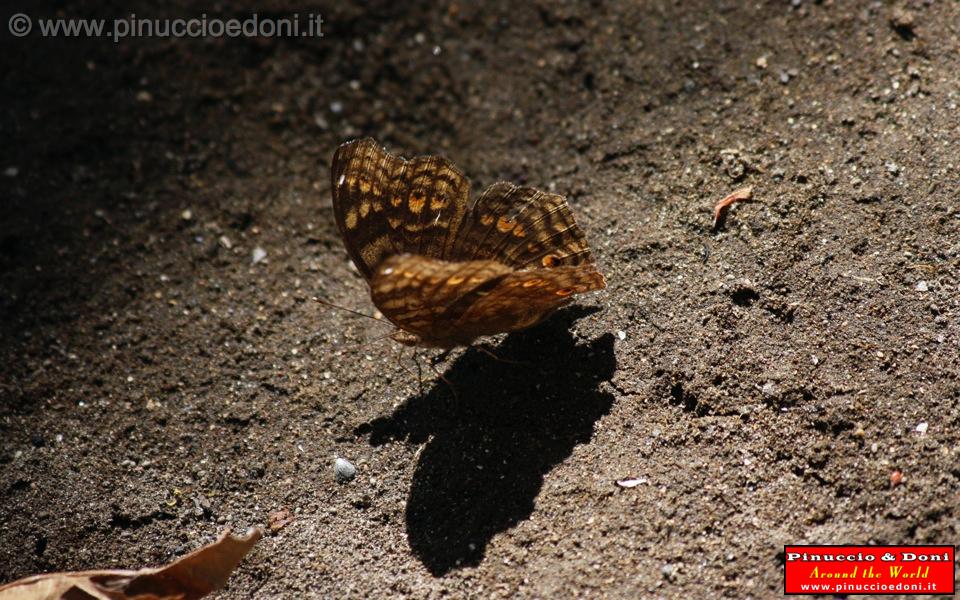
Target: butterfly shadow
489, 446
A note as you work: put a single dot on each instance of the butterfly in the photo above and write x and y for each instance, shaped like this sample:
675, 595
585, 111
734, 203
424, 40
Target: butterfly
445, 271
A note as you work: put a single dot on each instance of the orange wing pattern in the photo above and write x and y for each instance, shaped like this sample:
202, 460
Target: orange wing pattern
448, 304
443, 274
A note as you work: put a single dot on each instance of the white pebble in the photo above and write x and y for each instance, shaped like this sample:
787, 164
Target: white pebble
344, 470
922, 427
631, 483
622, 335
11, 172
922, 286
259, 254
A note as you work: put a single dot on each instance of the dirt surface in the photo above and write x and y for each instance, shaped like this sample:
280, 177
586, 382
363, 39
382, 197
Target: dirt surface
764, 380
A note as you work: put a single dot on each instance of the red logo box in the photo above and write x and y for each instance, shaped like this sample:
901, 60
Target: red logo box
875, 570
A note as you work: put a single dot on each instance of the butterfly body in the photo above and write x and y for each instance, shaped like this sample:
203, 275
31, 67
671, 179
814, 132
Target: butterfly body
446, 273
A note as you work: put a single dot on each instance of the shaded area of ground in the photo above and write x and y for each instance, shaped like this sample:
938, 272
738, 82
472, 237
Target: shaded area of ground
488, 447
157, 385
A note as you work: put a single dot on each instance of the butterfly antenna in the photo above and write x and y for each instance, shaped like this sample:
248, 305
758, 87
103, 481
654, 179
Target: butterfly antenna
374, 340
349, 310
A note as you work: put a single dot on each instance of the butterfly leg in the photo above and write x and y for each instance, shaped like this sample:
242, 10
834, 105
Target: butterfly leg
418, 375
416, 361
490, 353
445, 380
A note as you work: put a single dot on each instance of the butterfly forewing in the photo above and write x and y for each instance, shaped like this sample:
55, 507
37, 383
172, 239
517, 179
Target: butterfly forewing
523, 228
385, 205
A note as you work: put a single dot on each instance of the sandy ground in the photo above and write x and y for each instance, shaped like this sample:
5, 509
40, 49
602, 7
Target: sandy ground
765, 380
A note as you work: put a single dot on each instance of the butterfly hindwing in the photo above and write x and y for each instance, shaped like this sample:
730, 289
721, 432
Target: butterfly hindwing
524, 298
385, 205
427, 296
456, 302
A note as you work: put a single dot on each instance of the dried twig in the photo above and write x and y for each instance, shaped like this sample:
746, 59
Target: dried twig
720, 208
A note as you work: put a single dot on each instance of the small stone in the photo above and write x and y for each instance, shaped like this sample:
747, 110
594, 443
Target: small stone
336, 107
902, 20
922, 427
896, 478
892, 167
769, 389
144, 96
761, 62
258, 254
187, 215
922, 286
344, 470
225, 242
622, 335
11, 172
784, 77
631, 483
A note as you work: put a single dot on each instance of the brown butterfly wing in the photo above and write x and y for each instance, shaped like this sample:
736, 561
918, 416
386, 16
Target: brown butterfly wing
521, 227
385, 205
524, 298
451, 303
426, 296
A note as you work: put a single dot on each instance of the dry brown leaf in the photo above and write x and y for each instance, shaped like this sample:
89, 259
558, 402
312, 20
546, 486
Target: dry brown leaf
279, 519
192, 576
721, 207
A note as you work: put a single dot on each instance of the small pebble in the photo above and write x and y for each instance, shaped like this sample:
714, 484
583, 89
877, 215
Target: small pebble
225, 242
922, 286
336, 107
144, 96
622, 335
631, 483
11, 172
344, 470
896, 478
258, 254
186, 215
669, 571
922, 427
